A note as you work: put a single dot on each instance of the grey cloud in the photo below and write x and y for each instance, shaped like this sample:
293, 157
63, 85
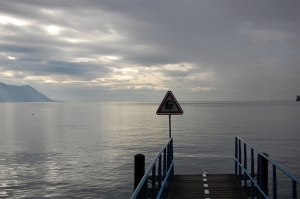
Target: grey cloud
232, 39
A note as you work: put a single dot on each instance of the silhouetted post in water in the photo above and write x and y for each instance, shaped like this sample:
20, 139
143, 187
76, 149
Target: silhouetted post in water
262, 173
139, 171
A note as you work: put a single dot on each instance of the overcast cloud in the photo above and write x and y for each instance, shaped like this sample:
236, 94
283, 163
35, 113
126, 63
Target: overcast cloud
138, 50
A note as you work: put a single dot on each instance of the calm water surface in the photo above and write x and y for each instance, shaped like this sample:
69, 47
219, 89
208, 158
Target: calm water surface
86, 150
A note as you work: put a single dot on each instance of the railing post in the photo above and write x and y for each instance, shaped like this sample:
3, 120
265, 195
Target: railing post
146, 189
274, 183
259, 174
153, 182
172, 157
164, 171
159, 173
240, 161
168, 167
262, 176
235, 155
245, 166
165, 163
139, 171
294, 190
252, 174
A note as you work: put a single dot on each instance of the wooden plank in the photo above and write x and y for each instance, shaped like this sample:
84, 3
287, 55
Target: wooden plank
216, 186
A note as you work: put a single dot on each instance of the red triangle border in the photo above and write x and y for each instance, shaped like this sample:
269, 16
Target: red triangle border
159, 110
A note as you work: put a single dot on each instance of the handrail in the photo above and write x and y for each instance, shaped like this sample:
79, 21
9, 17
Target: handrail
260, 185
271, 161
168, 174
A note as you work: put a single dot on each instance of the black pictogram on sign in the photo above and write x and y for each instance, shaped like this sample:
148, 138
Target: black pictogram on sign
169, 106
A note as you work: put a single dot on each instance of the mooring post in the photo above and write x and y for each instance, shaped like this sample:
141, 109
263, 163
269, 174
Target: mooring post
262, 173
139, 171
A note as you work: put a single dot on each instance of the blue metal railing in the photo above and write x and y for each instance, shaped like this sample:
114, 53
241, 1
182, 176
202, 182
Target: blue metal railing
259, 186
162, 175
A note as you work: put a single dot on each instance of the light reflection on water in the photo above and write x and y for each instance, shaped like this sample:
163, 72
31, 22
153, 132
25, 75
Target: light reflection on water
86, 150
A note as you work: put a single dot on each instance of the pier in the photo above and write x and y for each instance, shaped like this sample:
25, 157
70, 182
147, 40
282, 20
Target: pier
206, 186
250, 177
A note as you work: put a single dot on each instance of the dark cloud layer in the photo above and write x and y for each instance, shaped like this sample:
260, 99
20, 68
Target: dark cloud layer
201, 50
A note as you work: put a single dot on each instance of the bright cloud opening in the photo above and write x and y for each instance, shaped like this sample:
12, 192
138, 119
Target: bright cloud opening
8, 74
178, 67
74, 40
84, 59
54, 30
8, 20
127, 70
110, 58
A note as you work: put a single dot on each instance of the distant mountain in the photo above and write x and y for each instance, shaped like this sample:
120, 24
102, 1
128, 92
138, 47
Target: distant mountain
9, 93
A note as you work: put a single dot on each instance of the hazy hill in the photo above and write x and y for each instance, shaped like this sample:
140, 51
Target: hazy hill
9, 93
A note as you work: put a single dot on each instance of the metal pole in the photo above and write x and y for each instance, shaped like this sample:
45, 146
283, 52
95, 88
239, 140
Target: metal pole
262, 176
170, 126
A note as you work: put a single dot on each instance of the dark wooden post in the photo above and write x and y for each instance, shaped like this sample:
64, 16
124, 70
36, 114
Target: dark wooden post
139, 171
262, 173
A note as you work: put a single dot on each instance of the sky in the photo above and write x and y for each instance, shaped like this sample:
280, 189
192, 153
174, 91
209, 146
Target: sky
204, 50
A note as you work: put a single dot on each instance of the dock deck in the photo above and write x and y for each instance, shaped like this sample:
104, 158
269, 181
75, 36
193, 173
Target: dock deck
206, 186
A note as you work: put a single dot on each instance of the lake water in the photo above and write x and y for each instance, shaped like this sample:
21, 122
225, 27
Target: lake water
86, 150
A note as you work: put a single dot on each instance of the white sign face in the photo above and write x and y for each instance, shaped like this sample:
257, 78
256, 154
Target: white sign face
169, 106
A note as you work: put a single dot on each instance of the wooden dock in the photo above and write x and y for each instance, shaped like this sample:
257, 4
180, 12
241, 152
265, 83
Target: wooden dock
206, 186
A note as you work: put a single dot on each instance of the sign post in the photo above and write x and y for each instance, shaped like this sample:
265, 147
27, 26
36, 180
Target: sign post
170, 126
169, 106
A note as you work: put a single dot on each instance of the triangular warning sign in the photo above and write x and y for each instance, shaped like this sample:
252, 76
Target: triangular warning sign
169, 106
